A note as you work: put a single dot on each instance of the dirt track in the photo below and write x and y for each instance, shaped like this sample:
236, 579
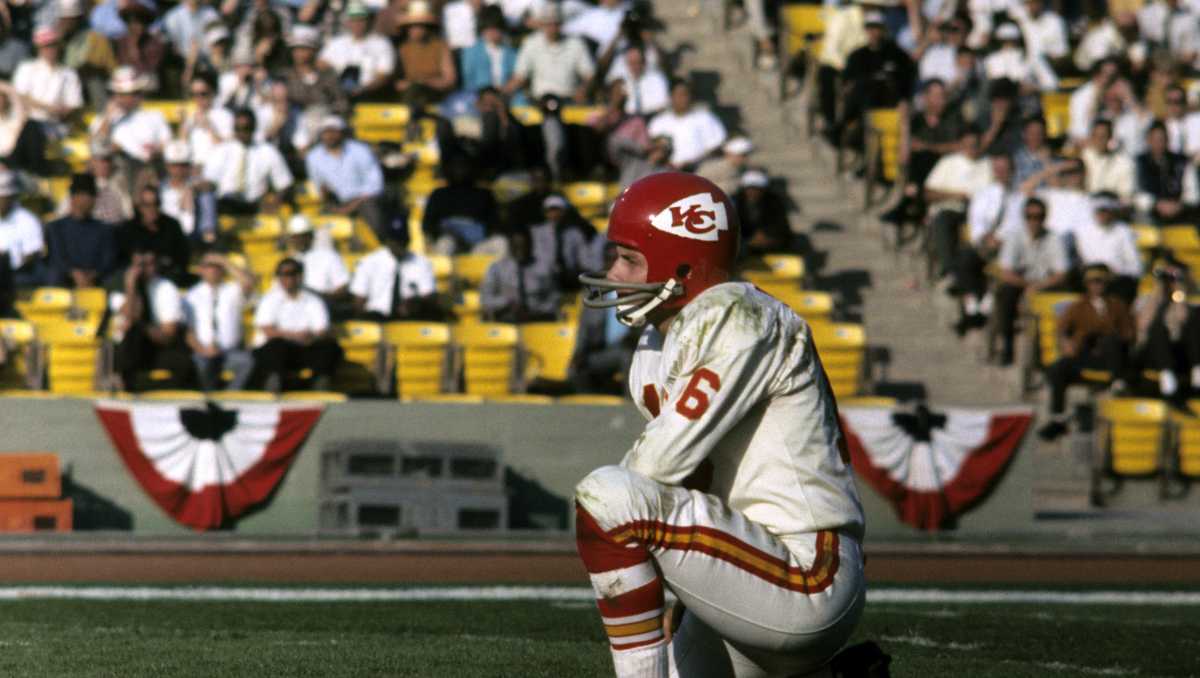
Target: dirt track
557, 566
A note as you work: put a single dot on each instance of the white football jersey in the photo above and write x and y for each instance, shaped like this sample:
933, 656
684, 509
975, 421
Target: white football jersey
737, 381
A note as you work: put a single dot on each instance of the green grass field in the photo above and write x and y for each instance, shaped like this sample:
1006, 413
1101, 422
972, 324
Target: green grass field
503, 639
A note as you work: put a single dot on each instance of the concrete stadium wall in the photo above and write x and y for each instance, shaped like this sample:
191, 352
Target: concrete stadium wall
552, 446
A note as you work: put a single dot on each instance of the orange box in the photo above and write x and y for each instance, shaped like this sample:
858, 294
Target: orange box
29, 475
35, 515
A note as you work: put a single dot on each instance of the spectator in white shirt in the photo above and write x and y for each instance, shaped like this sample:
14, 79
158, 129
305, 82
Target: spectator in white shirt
646, 90
937, 55
551, 63
184, 195
1105, 239
205, 125
1183, 128
1031, 260
149, 321
136, 133
247, 176
393, 283
1013, 62
1044, 30
324, 271
214, 323
1084, 101
243, 84
21, 235
293, 325
694, 131
600, 23
184, 24
948, 188
1112, 38
726, 171
364, 61
993, 215
52, 92
1107, 169
458, 22
1067, 201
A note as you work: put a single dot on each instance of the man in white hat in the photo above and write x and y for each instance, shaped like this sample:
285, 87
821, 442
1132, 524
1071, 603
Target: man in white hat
763, 214
324, 271
247, 176
311, 85
726, 170
363, 60
136, 133
51, 91
186, 199
551, 63
346, 173
1012, 62
21, 236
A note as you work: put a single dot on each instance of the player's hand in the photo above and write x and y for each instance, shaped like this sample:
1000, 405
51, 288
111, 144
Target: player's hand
671, 619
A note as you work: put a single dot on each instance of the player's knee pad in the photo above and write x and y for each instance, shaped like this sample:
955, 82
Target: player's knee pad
604, 489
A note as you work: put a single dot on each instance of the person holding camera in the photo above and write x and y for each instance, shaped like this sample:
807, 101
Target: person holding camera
1168, 332
150, 317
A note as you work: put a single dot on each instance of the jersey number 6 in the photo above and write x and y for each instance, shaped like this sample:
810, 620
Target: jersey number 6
693, 402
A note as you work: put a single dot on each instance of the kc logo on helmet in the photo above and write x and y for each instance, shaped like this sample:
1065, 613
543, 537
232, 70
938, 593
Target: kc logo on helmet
698, 217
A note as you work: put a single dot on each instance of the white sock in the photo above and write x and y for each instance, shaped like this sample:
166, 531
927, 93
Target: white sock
1167, 382
985, 304
970, 305
651, 661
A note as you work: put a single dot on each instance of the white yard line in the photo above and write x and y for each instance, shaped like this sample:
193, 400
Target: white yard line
887, 596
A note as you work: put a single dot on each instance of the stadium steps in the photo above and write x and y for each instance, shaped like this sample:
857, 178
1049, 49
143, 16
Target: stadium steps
908, 329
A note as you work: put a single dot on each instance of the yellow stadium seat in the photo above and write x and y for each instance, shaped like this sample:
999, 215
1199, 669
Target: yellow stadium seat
1056, 108
507, 189
1131, 435
379, 122
239, 396
812, 306
589, 197
527, 115
362, 343
1180, 238
489, 357
591, 399
76, 151
90, 300
174, 110
883, 149
167, 394
842, 347
1148, 236
1046, 307
470, 268
22, 370
548, 348
600, 224
468, 308
72, 356
443, 271
1186, 447
773, 268
803, 24
522, 399
580, 115
419, 353
868, 401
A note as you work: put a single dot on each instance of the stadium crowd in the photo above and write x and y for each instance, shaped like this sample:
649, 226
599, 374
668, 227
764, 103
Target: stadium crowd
268, 94
1019, 189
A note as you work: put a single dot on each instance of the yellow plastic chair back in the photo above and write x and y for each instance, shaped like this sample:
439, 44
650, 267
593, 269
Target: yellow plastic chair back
548, 347
1136, 434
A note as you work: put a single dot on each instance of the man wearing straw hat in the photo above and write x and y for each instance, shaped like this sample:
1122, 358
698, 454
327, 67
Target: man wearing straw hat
137, 134
425, 58
213, 308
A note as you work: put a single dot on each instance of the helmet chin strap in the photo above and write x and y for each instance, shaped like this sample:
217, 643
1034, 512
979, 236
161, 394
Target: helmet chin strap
635, 316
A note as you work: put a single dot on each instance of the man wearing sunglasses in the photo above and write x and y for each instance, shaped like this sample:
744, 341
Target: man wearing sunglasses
294, 333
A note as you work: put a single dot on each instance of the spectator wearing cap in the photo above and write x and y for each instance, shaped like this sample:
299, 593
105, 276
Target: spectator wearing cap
647, 91
213, 310
81, 249
150, 229
247, 176
108, 17
137, 134
205, 125
51, 90
140, 48
1013, 62
877, 75
937, 54
551, 63
22, 144
695, 132
426, 62
114, 203
149, 325
347, 174
461, 216
324, 271
1168, 332
460, 20
1105, 239
491, 60
1108, 170
763, 214
21, 234
185, 198
1095, 332
364, 61
393, 283
563, 243
295, 333
311, 86
184, 26
87, 51
727, 170
1032, 260
519, 287
1166, 182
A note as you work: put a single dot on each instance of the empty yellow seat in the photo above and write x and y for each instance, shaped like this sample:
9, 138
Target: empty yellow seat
172, 395
812, 306
489, 357
548, 348
591, 399
1132, 435
419, 353
361, 343
842, 347
1046, 308
470, 268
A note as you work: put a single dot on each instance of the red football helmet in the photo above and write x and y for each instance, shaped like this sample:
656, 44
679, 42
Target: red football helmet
687, 229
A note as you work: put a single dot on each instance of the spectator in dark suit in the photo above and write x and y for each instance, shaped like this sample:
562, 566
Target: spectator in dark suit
151, 229
1166, 181
1168, 333
82, 250
877, 75
461, 217
763, 216
519, 288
